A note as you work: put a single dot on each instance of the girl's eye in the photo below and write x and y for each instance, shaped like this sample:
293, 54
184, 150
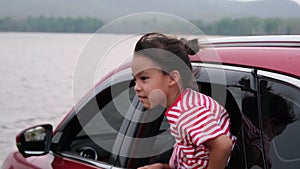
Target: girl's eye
144, 78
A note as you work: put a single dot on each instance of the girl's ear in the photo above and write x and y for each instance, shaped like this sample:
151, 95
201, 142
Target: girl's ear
174, 78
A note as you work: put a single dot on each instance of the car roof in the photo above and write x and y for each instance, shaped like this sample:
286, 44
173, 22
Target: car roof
274, 53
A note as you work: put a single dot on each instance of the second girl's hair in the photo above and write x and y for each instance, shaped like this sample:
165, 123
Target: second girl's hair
169, 53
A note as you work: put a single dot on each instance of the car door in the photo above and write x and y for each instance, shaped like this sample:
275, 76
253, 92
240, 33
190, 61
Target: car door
111, 129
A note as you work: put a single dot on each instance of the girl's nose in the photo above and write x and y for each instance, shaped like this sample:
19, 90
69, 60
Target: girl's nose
137, 87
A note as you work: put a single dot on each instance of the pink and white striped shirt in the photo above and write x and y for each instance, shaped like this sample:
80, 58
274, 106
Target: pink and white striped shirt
195, 118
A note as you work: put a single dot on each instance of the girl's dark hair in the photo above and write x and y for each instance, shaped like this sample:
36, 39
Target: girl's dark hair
169, 53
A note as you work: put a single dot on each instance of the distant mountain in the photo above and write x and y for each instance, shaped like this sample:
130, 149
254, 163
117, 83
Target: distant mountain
206, 10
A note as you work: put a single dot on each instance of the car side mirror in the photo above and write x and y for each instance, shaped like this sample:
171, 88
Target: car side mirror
35, 141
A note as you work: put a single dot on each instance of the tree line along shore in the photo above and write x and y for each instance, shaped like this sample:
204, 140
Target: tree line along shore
224, 26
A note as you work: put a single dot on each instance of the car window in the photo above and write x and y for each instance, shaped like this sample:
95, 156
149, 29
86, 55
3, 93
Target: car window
280, 108
109, 118
269, 127
91, 134
158, 143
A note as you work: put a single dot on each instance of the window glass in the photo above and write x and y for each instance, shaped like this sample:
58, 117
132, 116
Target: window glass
101, 120
109, 118
233, 93
280, 118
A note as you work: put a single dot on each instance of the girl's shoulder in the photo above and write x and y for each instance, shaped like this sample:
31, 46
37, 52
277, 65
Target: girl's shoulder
194, 98
198, 98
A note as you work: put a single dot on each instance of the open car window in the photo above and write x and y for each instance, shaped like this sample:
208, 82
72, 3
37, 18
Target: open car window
91, 133
158, 145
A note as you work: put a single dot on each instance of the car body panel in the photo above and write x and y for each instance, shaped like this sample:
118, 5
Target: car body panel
49, 161
283, 60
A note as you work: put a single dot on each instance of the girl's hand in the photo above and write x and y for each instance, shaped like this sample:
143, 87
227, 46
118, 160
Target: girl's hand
156, 166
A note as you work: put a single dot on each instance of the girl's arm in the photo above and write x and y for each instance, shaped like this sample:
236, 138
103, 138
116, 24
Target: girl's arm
219, 152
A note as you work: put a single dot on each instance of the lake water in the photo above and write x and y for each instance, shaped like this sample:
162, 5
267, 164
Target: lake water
36, 80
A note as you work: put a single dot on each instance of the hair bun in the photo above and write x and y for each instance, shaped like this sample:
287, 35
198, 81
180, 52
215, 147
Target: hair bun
191, 46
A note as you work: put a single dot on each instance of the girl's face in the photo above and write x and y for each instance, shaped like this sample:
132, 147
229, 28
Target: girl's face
151, 84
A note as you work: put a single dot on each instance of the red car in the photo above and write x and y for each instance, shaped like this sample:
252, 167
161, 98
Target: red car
257, 79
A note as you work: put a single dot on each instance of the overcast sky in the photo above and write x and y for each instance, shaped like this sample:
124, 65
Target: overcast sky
298, 1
